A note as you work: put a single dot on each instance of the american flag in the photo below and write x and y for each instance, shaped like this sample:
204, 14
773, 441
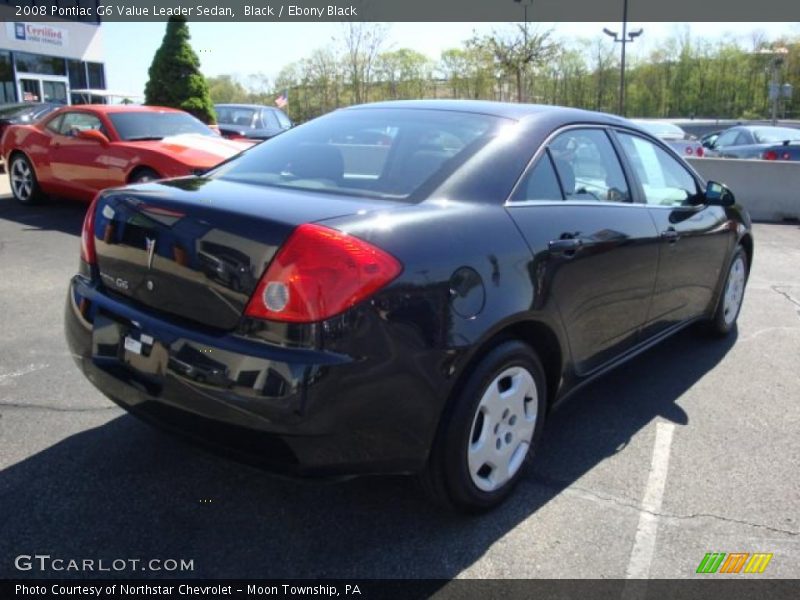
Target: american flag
283, 99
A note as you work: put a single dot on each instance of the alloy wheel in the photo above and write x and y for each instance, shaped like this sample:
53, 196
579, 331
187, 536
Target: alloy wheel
734, 290
21, 179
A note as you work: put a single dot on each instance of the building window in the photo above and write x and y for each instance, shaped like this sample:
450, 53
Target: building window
7, 93
77, 74
41, 65
97, 78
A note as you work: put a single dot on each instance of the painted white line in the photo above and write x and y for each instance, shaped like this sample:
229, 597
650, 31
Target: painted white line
644, 544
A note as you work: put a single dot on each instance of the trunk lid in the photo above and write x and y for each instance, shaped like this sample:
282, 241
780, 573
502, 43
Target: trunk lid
195, 248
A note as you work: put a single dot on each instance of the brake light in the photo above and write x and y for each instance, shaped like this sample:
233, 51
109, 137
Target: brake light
770, 155
318, 273
235, 136
699, 152
88, 254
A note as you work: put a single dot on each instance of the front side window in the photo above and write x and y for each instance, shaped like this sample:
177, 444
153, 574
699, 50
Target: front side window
72, 122
727, 138
588, 167
665, 182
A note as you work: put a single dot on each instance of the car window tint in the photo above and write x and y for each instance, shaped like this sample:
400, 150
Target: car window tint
54, 125
727, 138
283, 119
540, 183
378, 152
73, 122
269, 120
664, 180
743, 139
588, 167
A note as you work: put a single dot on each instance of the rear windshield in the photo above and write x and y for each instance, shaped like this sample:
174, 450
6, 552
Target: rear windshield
132, 126
235, 115
774, 135
666, 130
382, 153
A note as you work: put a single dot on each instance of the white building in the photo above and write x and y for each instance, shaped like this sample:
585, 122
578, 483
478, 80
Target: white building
44, 61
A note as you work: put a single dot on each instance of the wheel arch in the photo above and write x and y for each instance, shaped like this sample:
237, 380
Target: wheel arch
540, 336
746, 241
138, 169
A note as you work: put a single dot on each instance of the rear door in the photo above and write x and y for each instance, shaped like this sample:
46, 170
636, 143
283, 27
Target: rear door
596, 252
694, 237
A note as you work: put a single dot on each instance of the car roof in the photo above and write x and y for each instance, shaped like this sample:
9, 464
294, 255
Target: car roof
508, 110
226, 105
116, 108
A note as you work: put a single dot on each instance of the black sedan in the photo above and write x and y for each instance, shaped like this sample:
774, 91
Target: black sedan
250, 121
334, 309
24, 113
757, 141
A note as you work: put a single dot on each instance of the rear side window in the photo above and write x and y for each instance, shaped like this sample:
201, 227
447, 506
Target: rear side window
588, 166
54, 124
540, 183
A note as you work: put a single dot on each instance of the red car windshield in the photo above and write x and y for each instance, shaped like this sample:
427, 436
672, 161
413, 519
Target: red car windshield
133, 126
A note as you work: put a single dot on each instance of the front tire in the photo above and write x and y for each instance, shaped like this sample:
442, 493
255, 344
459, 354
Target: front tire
730, 302
143, 176
489, 431
24, 185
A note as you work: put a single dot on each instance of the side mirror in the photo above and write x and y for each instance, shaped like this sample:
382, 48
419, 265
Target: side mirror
92, 135
718, 194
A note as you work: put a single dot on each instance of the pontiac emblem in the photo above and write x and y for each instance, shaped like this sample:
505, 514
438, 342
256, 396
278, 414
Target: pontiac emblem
150, 245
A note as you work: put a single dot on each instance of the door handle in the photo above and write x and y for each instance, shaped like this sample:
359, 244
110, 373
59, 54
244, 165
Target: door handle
568, 247
670, 235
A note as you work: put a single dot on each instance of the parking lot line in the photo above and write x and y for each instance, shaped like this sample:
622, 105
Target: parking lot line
645, 541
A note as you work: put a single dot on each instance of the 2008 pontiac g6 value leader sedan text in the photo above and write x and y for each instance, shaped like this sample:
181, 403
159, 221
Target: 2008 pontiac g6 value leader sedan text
417, 305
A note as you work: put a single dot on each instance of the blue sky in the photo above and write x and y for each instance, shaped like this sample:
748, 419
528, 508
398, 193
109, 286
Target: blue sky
247, 48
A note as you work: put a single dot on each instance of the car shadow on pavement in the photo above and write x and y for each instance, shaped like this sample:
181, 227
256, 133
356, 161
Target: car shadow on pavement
124, 490
51, 215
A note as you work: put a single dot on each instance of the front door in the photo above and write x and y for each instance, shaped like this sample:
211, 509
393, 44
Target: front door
596, 251
695, 237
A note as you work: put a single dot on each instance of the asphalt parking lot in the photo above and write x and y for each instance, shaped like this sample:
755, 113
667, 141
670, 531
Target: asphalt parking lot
693, 447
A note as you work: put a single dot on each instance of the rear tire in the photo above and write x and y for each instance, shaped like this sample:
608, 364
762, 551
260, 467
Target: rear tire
489, 431
22, 178
730, 301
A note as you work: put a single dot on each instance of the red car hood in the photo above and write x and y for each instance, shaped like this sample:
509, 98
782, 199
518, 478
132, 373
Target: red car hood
195, 150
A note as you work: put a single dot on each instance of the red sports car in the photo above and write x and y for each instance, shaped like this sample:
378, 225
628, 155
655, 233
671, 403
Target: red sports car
78, 150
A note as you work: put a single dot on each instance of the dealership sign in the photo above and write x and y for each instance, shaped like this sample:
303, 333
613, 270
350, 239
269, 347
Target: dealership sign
38, 33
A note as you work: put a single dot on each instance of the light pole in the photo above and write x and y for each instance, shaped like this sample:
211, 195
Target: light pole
626, 39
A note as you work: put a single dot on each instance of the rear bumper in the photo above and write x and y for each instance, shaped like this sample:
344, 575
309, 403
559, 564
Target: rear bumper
293, 411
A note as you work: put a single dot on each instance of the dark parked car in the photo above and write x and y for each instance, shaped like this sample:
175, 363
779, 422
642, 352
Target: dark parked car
680, 141
418, 311
757, 141
251, 121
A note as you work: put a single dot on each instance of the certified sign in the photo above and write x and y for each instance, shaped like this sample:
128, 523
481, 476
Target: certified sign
38, 33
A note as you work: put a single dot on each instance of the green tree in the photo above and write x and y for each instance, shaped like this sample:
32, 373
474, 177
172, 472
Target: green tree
175, 78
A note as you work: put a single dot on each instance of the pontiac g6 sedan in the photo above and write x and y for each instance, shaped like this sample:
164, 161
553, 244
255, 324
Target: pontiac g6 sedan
415, 306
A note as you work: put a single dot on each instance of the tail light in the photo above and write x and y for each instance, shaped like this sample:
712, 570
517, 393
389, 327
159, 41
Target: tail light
770, 155
786, 156
318, 273
88, 254
689, 150
699, 152
234, 136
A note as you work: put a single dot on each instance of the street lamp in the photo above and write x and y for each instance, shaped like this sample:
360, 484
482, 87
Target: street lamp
627, 38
